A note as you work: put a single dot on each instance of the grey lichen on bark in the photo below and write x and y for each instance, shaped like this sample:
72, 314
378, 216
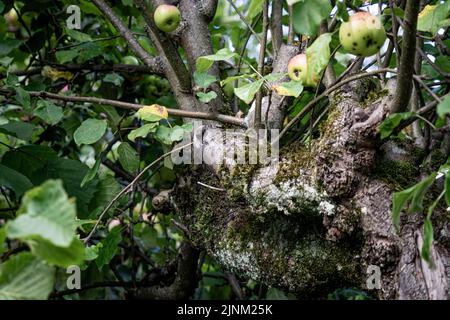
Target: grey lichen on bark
321, 217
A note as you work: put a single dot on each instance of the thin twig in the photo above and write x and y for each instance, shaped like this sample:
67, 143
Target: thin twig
210, 187
248, 25
128, 187
132, 106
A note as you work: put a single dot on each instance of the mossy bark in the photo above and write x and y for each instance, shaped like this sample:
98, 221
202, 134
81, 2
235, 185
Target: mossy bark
322, 217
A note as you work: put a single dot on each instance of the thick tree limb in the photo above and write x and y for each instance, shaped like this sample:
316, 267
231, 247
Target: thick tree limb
405, 75
196, 40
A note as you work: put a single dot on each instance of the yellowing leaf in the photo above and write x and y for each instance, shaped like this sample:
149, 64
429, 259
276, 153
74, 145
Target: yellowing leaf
432, 16
292, 89
55, 74
153, 113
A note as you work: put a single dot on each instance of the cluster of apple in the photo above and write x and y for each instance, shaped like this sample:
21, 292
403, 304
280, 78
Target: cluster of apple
156, 86
362, 35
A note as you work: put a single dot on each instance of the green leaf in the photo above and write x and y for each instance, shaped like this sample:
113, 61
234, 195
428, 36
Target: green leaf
388, 126
318, 56
92, 172
114, 78
308, 15
428, 238
447, 188
6, 61
206, 97
90, 131
275, 294
247, 92
28, 159
106, 190
88, 51
109, 248
2, 6
91, 253
398, 203
342, 10
254, 9
78, 36
46, 213
58, 256
2, 240
12, 80
234, 78
71, 172
21, 130
177, 133
48, 111
419, 193
415, 195
432, 16
443, 107
443, 62
203, 79
25, 277
143, 131
23, 97
206, 62
163, 135
291, 88
14, 180
65, 56
8, 45
128, 157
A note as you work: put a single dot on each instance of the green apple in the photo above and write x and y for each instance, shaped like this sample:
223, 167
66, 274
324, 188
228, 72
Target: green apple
298, 71
167, 17
131, 60
362, 35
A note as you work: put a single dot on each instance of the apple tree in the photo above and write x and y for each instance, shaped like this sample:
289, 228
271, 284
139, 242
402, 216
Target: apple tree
101, 100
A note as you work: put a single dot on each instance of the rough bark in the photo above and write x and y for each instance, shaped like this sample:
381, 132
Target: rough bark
323, 216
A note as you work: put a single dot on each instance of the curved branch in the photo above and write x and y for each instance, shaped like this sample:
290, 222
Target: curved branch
133, 106
156, 68
405, 75
125, 32
185, 281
